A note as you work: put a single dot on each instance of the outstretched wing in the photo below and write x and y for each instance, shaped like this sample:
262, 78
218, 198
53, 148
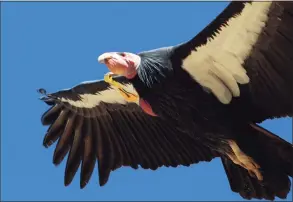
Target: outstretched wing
248, 43
93, 122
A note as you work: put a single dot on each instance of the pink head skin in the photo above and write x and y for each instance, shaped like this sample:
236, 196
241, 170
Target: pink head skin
124, 64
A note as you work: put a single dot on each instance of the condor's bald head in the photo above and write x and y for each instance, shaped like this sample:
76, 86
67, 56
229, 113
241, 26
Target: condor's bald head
121, 63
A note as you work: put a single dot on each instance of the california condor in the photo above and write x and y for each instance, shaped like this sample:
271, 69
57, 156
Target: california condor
188, 103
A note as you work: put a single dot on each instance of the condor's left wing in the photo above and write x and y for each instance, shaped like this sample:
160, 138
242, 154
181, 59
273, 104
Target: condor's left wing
249, 43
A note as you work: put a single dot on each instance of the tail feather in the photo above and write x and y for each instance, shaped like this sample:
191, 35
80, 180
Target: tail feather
275, 157
241, 182
277, 147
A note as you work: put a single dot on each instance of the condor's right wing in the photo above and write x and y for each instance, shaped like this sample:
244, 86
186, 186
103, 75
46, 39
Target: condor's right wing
93, 122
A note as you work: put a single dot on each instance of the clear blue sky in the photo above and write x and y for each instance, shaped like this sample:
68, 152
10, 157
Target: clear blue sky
55, 46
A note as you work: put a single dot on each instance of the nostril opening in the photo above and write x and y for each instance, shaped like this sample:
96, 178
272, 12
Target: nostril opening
121, 54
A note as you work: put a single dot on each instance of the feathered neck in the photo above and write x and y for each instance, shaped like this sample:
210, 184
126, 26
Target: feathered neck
155, 66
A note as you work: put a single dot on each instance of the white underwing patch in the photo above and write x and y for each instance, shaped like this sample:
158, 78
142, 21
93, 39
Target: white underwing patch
111, 95
217, 65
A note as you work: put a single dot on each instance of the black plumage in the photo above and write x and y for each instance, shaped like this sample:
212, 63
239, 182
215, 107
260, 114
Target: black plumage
209, 94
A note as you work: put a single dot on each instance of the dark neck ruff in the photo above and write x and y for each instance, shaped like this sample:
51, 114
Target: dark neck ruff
154, 69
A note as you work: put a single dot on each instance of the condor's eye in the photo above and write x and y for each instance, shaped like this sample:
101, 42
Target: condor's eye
122, 54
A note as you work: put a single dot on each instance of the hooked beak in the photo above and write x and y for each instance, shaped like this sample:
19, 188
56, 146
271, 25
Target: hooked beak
102, 58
